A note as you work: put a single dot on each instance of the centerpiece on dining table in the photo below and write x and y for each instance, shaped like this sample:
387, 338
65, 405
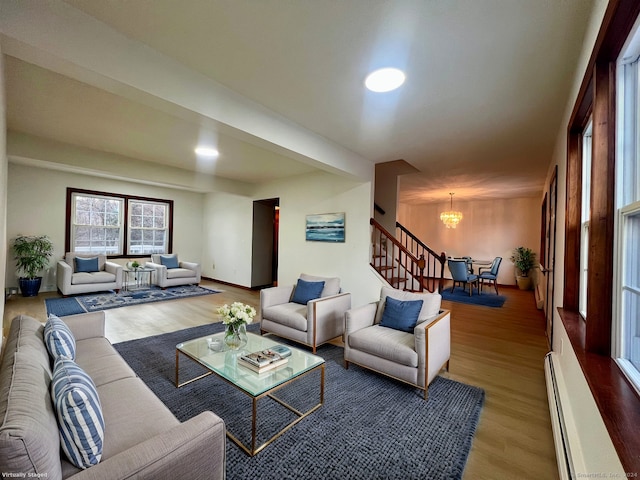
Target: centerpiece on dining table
235, 318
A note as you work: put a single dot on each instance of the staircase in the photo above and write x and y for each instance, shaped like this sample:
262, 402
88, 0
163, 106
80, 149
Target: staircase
404, 261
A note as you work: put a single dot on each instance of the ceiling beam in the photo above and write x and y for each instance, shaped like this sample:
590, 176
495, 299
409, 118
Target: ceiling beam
59, 37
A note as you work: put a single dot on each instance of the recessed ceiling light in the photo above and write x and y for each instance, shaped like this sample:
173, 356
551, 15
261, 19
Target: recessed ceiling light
206, 151
384, 80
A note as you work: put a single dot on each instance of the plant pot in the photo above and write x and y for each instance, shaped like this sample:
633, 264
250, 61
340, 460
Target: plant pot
30, 286
524, 283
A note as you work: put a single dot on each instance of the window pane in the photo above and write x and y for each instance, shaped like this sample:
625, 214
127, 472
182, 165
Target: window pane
112, 219
587, 141
83, 217
97, 204
631, 288
112, 206
159, 222
159, 210
136, 236
632, 251
631, 302
136, 221
135, 208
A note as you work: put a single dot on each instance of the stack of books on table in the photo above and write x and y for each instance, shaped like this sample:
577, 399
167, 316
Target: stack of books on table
265, 360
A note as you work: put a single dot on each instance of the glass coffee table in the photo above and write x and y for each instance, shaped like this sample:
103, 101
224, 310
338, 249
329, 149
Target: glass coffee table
255, 385
136, 278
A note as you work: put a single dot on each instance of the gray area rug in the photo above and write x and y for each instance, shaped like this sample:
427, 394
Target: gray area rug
370, 427
106, 300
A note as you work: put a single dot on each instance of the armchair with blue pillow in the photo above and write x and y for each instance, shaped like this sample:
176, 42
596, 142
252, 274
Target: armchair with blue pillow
310, 312
405, 335
168, 271
87, 273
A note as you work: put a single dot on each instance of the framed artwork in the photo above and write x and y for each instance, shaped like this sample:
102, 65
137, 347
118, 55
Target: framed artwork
325, 227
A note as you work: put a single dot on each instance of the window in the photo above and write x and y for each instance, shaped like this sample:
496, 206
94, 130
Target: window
118, 225
604, 343
586, 213
147, 227
96, 225
627, 311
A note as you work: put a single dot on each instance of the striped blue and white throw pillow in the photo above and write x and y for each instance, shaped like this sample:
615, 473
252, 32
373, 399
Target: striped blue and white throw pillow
59, 339
79, 414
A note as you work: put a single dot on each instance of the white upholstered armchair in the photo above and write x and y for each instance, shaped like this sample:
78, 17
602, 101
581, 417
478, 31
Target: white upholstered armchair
412, 354
86, 273
168, 271
310, 312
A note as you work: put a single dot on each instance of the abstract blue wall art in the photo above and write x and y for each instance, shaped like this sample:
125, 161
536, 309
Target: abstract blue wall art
325, 227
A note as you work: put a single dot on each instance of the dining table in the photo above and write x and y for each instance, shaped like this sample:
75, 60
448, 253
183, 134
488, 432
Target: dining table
473, 263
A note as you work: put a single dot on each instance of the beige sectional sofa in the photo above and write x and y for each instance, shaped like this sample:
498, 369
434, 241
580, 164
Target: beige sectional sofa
142, 438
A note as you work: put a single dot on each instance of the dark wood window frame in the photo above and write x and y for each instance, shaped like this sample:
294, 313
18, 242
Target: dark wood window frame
617, 400
126, 198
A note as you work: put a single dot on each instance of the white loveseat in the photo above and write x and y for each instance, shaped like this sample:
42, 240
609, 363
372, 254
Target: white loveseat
70, 281
186, 273
416, 356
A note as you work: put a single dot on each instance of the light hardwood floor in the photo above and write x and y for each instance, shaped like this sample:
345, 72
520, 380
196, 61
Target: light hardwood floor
498, 349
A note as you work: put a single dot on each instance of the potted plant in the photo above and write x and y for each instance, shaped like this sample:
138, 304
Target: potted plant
524, 259
32, 255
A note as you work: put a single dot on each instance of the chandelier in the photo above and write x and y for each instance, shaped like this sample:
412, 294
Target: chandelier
451, 218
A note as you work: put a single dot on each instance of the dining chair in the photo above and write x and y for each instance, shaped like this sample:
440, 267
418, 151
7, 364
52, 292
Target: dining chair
469, 261
490, 274
460, 274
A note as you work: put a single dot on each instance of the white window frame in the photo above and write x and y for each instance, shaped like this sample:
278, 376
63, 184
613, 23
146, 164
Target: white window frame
154, 228
75, 225
627, 205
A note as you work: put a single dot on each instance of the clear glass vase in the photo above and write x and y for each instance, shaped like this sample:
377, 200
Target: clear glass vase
235, 335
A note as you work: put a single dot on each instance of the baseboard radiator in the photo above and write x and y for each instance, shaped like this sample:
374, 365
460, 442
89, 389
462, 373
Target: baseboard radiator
560, 437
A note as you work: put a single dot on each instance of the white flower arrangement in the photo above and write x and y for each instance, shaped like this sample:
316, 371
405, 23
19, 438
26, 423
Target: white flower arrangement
237, 313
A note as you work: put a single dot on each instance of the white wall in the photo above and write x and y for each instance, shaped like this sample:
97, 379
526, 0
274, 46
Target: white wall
227, 224
489, 229
228, 221
3, 186
591, 446
37, 205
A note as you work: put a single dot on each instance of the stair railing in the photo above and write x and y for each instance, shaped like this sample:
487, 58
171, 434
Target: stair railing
434, 274
397, 265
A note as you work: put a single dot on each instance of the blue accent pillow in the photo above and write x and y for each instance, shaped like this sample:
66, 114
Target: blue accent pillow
306, 291
79, 413
169, 261
59, 339
87, 264
401, 315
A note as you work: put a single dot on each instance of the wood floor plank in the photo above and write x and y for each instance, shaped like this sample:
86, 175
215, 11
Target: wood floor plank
498, 349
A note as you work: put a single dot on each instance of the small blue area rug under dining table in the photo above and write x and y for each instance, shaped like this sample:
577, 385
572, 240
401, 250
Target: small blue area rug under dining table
486, 298
369, 427
107, 300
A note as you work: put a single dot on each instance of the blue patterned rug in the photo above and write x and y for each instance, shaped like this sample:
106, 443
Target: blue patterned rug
369, 427
107, 300
487, 299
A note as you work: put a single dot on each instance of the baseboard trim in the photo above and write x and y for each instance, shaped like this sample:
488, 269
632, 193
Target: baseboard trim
243, 287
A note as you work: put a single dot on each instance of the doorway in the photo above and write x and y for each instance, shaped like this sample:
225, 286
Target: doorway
264, 248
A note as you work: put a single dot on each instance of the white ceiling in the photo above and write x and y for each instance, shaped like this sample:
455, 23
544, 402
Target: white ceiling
487, 86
